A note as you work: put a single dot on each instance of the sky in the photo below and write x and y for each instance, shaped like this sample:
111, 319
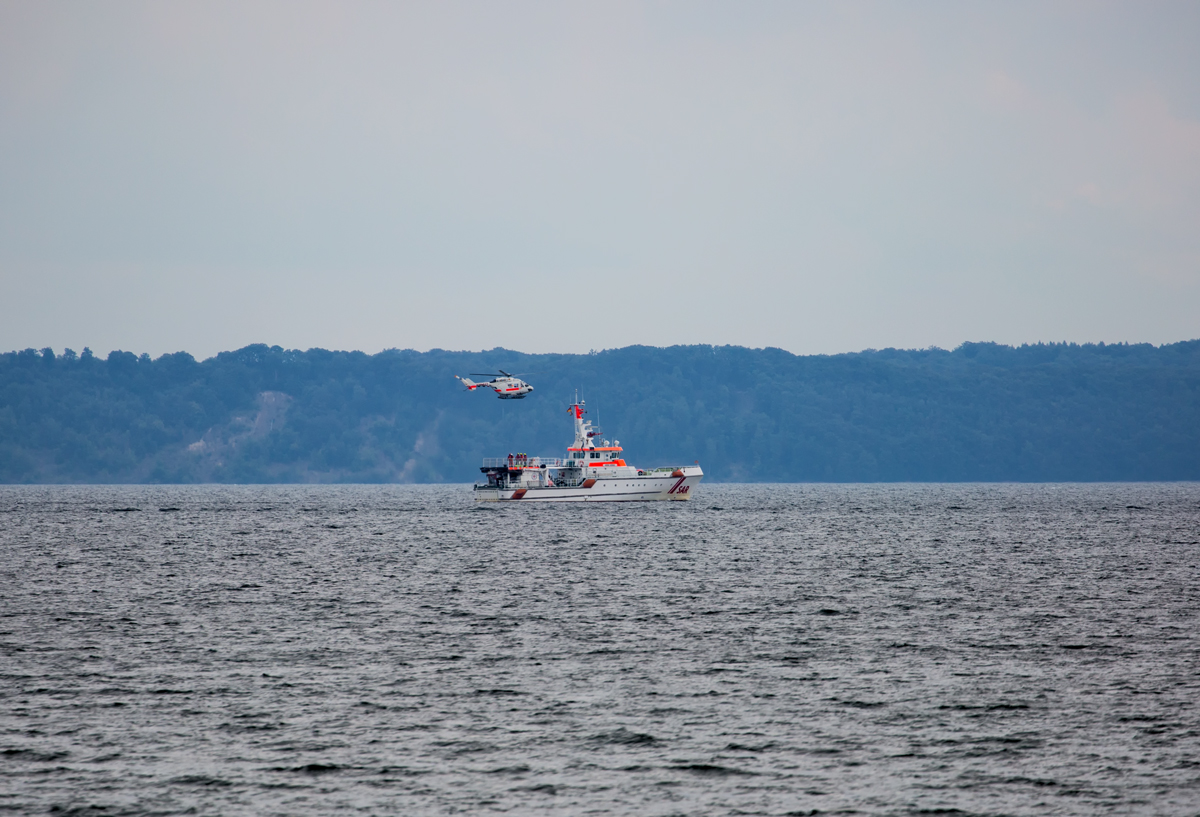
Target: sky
564, 176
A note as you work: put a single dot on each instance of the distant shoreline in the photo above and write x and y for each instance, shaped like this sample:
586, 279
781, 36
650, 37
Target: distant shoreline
981, 413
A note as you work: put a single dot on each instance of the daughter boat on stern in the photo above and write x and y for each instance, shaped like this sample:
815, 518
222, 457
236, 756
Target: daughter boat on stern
589, 473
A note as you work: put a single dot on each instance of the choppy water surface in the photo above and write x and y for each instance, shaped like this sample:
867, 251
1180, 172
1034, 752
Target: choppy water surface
759, 650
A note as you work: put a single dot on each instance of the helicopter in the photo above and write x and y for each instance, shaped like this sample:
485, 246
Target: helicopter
506, 386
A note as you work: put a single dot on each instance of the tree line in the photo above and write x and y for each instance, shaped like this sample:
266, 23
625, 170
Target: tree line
981, 412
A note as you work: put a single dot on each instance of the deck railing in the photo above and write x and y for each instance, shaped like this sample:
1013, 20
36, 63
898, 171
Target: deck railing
524, 462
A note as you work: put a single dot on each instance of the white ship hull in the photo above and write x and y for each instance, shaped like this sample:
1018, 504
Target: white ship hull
652, 487
589, 473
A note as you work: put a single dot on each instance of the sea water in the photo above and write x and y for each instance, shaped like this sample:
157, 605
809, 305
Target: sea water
761, 649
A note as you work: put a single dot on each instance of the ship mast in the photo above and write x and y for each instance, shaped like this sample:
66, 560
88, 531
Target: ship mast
582, 439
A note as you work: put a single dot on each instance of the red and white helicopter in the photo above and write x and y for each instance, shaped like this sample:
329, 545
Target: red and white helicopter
507, 386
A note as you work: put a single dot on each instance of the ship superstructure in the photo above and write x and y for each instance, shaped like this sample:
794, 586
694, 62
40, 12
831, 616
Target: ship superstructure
594, 470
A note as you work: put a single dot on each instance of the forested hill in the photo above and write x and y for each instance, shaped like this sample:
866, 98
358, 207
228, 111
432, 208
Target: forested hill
266, 414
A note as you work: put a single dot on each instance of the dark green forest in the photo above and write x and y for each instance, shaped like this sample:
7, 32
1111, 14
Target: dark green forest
982, 412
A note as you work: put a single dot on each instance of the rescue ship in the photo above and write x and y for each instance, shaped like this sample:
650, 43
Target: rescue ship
594, 470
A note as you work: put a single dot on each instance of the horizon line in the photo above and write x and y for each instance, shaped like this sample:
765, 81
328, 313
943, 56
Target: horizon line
69, 353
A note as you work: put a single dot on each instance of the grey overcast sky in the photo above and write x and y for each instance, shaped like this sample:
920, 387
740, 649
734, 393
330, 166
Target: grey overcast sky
561, 176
